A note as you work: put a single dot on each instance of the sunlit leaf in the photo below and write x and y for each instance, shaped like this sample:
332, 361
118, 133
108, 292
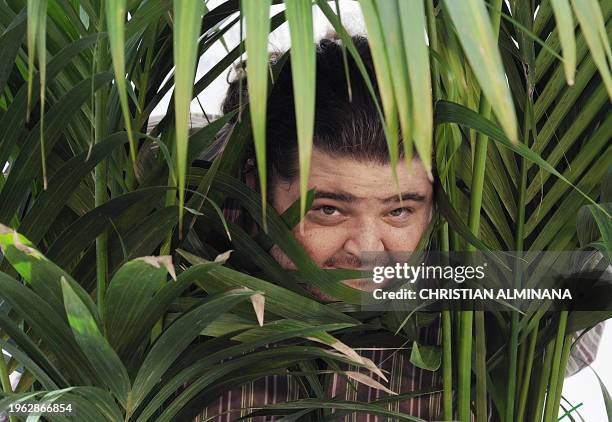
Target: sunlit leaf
187, 20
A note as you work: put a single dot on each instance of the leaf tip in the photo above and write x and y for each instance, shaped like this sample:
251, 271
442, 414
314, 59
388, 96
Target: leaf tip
258, 300
222, 257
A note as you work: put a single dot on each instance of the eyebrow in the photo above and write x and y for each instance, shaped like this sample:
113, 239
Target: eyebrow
404, 196
348, 198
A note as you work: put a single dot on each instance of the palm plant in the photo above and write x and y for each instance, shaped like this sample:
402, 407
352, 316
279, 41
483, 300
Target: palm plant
513, 98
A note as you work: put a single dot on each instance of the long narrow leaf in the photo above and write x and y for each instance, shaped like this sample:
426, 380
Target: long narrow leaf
383, 77
115, 15
102, 357
473, 27
412, 16
37, 41
565, 28
593, 27
256, 15
299, 15
180, 334
187, 19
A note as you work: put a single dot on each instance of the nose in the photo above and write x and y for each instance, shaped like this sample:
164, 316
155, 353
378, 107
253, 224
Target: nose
364, 236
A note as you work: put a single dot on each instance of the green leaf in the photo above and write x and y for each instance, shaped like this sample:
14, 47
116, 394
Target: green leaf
49, 326
593, 27
389, 14
416, 51
256, 16
80, 234
446, 208
11, 123
29, 364
565, 28
342, 405
426, 357
273, 332
37, 41
42, 274
37, 23
187, 20
115, 23
25, 168
473, 27
586, 227
31, 349
605, 226
384, 76
130, 292
236, 372
50, 203
303, 71
292, 215
178, 336
10, 43
101, 355
279, 301
448, 112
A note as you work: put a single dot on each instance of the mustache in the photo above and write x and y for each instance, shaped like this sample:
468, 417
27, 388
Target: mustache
355, 262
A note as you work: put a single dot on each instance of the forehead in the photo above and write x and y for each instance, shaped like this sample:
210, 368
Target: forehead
365, 180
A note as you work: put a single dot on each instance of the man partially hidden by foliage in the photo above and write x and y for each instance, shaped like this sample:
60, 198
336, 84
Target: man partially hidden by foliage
356, 209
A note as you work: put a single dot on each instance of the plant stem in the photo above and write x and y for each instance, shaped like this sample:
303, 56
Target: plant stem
533, 337
549, 410
447, 369
567, 347
476, 191
481, 367
542, 382
447, 335
101, 193
514, 322
465, 363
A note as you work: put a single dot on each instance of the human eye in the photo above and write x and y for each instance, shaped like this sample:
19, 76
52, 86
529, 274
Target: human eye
326, 210
400, 212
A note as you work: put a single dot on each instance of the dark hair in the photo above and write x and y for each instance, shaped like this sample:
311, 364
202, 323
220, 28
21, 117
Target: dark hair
347, 127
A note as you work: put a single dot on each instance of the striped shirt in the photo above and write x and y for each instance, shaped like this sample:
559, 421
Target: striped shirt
403, 377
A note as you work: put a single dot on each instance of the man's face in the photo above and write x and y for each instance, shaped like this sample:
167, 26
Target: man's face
357, 209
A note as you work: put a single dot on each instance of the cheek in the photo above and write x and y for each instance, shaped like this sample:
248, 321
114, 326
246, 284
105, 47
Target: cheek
321, 243
407, 238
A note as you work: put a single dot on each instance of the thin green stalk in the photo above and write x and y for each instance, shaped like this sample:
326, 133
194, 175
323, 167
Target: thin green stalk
447, 368
565, 355
526, 379
465, 364
6, 380
447, 334
432, 34
481, 366
170, 195
522, 352
476, 191
549, 409
542, 382
101, 194
514, 323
